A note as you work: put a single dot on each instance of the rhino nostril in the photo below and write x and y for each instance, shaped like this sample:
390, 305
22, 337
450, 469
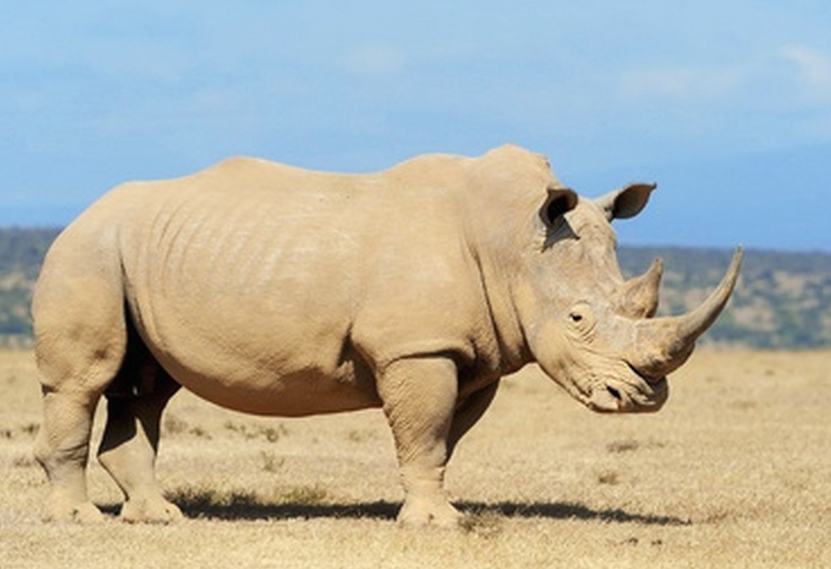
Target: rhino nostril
614, 392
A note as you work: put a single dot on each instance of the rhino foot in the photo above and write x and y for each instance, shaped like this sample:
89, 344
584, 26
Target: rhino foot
79, 513
419, 513
150, 511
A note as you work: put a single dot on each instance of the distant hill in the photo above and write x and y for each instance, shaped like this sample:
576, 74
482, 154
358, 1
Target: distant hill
783, 300
21, 255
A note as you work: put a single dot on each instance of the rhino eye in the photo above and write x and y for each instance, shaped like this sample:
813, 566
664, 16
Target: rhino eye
577, 315
582, 318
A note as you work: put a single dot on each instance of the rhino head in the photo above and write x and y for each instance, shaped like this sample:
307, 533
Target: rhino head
591, 330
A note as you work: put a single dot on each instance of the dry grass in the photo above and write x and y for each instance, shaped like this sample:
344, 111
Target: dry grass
734, 472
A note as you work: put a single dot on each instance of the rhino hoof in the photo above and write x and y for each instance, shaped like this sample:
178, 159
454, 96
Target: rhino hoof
150, 511
415, 514
83, 513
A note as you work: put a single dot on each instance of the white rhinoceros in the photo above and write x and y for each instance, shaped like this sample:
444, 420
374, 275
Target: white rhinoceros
279, 291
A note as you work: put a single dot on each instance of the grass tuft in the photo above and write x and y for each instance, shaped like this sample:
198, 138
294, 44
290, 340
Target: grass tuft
248, 432
486, 524
271, 462
626, 445
24, 461
609, 477
212, 498
173, 425
27, 431
313, 495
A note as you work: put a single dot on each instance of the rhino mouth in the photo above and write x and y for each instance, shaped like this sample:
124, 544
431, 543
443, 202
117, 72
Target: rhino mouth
636, 393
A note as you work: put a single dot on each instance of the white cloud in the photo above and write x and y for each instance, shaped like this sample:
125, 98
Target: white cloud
788, 77
682, 83
813, 69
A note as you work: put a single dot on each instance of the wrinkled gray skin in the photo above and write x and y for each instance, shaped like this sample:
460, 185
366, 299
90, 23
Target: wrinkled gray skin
278, 291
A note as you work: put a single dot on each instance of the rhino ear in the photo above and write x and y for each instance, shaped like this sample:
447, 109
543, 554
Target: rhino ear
559, 202
625, 203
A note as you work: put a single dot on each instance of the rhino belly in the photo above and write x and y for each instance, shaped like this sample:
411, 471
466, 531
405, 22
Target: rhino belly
260, 361
283, 392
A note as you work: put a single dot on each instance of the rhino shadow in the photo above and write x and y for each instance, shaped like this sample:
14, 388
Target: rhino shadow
247, 508
567, 511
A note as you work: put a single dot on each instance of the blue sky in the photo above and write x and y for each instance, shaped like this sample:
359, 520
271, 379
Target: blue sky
727, 105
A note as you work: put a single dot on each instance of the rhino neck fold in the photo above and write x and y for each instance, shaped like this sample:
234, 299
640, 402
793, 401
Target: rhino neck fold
499, 209
509, 337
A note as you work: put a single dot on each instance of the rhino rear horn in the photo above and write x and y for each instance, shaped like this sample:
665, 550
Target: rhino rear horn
638, 297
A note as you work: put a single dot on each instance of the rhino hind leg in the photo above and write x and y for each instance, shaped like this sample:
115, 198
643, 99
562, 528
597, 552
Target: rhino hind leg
135, 402
419, 396
62, 448
79, 350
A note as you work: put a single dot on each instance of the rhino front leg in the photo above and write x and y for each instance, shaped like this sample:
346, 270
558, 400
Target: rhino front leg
468, 413
419, 396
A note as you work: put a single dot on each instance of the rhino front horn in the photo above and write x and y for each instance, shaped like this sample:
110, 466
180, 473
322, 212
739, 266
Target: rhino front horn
662, 345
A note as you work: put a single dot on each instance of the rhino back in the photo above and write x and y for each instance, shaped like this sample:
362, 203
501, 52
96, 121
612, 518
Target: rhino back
251, 277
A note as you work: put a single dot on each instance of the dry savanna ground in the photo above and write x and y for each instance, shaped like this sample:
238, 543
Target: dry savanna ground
734, 472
